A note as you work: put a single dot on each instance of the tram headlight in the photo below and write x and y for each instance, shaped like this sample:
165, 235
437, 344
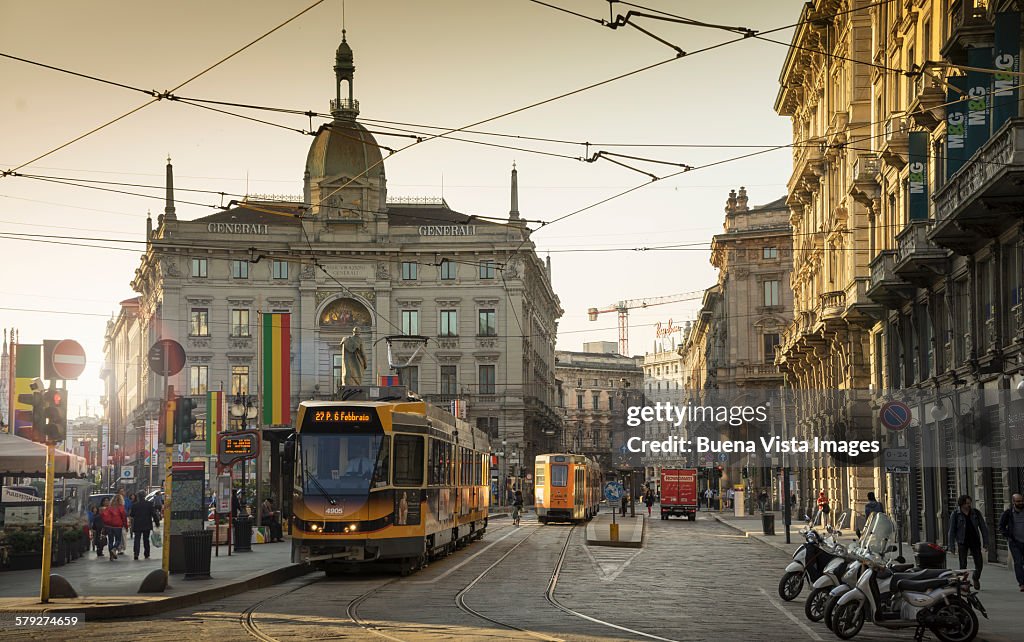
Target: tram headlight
351, 528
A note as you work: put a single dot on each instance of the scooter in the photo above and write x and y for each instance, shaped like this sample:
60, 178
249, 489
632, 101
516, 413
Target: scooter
809, 562
938, 600
822, 587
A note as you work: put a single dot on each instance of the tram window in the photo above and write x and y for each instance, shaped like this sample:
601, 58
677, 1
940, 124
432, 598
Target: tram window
435, 466
382, 470
408, 460
559, 475
339, 463
539, 476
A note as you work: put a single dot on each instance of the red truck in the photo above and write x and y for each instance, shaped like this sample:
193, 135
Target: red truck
679, 492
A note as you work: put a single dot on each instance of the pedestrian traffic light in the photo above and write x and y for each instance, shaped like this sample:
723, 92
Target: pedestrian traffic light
184, 422
55, 410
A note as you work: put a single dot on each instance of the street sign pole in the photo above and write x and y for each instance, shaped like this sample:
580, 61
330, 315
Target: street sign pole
168, 415
44, 581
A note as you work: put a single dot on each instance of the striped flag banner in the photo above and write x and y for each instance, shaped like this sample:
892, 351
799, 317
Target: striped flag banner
216, 407
388, 380
276, 368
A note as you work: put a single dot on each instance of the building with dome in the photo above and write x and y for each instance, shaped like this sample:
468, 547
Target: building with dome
345, 257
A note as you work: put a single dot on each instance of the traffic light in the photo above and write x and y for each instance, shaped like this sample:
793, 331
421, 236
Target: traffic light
55, 411
718, 472
184, 422
35, 399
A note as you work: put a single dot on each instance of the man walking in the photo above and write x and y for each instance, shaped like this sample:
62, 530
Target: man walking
1011, 525
967, 530
143, 518
873, 506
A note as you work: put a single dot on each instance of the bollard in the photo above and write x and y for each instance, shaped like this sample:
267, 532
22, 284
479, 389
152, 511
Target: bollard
613, 532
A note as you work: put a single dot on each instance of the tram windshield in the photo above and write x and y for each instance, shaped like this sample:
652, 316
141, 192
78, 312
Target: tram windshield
343, 464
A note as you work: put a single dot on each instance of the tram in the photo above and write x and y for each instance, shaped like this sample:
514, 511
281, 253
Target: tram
567, 488
391, 479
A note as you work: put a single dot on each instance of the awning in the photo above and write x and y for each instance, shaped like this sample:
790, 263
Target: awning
24, 458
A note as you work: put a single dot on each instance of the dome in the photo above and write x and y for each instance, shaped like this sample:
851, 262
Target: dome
344, 148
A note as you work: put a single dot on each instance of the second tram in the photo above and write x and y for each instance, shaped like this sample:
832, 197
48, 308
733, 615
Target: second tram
567, 488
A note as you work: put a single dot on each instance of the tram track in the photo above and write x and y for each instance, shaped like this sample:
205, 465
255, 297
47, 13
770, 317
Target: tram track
247, 617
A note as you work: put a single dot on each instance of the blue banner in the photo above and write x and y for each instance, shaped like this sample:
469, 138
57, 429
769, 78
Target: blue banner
917, 179
956, 124
1006, 61
979, 102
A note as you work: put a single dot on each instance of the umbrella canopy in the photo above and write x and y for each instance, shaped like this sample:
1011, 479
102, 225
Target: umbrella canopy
24, 458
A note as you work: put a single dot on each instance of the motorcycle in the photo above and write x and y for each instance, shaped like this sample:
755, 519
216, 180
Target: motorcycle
822, 587
809, 561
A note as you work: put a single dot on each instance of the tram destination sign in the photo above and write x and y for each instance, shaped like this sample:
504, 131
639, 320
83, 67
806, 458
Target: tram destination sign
237, 446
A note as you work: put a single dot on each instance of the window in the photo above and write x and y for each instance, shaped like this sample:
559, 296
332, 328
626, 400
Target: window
579, 402
199, 268
239, 323
199, 323
487, 375
610, 404
489, 426
240, 269
449, 380
336, 371
410, 321
449, 323
487, 269
447, 270
595, 400
771, 340
408, 460
770, 253
559, 475
382, 467
198, 377
280, 269
488, 324
409, 269
409, 377
771, 293
239, 380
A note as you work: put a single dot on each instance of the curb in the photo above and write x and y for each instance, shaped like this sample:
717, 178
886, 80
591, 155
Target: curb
156, 606
750, 535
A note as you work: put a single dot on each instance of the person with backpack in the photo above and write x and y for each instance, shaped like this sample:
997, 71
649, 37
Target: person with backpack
517, 507
1011, 525
967, 530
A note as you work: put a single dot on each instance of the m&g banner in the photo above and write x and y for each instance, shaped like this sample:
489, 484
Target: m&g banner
956, 124
1006, 60
979, 99
917, 181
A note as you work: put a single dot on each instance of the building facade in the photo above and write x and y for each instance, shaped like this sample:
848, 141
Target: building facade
347, 258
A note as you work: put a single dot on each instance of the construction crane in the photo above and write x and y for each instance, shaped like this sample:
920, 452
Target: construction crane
623, 308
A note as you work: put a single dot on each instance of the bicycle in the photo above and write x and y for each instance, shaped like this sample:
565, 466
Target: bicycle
517, 511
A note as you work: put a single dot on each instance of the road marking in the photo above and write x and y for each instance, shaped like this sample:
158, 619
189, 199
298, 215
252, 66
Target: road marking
802, 625
465, 561
608, 571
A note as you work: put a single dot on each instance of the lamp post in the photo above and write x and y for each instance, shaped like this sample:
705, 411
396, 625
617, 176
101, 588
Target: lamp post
116, 467
504, 471
243, 410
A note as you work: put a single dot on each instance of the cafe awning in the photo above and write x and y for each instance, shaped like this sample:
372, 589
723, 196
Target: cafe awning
24, 458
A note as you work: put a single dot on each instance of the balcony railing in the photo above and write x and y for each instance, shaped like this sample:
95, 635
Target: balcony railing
886, 287
918, 260
345, 105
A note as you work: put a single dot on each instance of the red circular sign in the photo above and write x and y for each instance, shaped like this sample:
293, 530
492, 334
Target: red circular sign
68, 359
895, 415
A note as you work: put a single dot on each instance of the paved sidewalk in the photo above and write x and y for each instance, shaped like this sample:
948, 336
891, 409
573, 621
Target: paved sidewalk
999, 591
631, 530
109, 589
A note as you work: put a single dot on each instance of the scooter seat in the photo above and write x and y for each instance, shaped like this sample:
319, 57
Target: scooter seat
921, 585
922, 574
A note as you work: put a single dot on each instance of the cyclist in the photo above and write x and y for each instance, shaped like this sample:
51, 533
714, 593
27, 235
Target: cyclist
517, 507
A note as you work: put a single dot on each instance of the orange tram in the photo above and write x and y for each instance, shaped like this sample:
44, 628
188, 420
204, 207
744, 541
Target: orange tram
567, 488
393, 479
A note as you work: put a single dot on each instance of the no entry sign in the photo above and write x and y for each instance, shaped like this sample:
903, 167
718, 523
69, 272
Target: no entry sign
68, 359
895, 415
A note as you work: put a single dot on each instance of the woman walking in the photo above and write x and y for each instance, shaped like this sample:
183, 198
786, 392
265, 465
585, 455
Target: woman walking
115, 520
649, 500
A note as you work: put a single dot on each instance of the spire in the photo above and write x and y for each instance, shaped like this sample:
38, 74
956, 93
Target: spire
149, 226
344, 106
741, 200
169, 214
513, 214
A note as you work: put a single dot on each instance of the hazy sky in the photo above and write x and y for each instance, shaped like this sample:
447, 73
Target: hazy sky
446, 63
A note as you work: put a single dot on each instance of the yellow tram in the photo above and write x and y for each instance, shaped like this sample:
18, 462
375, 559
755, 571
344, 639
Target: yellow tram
567, 488
394, 480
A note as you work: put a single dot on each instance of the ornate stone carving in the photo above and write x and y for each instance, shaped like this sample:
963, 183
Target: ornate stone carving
308, 271
448, 344
486, 343
383, 274
240, 344
449, 358
199, 300
408, 303
170, 267
199, 358
486, 302
197, 342
511, 270
447, 303
237, 301
369, 295
320, 295
486, 357
239, 357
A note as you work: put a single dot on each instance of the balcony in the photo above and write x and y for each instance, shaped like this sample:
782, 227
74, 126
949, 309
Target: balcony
760, 372
345, 105
968, 26
918, 260
864, 188
886, 288
831, 306
983, 199
861, 310
926, 108
895, 141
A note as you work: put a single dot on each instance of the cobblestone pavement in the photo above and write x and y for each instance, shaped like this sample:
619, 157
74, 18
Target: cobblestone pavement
692, 581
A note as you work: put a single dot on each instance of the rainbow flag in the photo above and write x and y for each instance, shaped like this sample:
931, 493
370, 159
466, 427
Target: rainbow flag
216, 417
277, 393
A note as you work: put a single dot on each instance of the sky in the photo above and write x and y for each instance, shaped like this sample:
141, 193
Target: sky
448, 63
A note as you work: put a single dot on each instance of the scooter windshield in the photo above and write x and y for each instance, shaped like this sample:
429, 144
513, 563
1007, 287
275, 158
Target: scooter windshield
879, 534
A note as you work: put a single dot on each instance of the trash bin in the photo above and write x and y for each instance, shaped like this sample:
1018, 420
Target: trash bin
198, 545
243, 534
768, 523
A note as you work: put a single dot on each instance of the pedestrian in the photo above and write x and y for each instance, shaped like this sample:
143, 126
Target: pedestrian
1011, 525
823, 509
623, 503
792, 502
269, 517
98, 528
649, 500
967, 529
144, 518
517, 507
762, 500
873, 506
708, 495
114, 521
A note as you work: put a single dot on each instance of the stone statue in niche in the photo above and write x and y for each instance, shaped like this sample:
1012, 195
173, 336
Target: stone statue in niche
353, 359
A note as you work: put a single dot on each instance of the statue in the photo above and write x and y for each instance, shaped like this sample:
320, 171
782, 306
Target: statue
353, 359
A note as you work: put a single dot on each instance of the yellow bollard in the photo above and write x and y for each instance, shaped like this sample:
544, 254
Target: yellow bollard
613, 532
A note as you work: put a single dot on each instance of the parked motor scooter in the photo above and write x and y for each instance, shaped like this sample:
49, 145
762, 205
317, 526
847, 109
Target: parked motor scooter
809, 562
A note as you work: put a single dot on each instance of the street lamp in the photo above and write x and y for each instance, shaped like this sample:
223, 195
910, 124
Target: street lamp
504, 471
244, 410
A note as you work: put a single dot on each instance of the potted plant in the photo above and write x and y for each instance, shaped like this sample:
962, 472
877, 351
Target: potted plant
26, 547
